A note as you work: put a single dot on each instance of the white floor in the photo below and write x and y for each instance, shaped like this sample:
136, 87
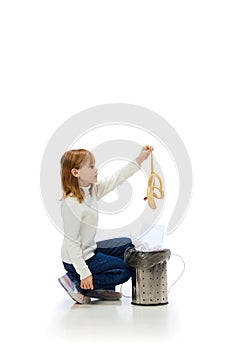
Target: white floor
112, 321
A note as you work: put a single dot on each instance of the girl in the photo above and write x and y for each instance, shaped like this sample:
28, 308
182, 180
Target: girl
93, 269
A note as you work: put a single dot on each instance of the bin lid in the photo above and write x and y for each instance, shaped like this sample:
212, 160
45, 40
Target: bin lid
141, 259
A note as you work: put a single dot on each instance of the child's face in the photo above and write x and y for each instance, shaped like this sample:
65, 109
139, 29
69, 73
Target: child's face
88, 173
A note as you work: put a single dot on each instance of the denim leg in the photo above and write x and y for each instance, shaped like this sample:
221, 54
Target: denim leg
110, 279
115, 246
108, 271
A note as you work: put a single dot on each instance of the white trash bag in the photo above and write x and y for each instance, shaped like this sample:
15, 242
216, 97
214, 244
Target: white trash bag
150, 238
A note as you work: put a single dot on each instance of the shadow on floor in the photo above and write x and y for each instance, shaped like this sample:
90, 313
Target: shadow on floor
114, 322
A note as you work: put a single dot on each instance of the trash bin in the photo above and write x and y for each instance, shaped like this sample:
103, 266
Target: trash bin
150, 286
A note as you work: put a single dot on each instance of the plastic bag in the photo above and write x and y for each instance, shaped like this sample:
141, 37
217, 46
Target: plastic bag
146, 260
150, 239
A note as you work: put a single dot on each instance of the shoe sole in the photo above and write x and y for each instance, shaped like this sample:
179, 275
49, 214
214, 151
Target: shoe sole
99, 296
71, 293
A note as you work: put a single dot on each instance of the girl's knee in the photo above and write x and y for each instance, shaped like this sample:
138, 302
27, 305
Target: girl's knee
128, 243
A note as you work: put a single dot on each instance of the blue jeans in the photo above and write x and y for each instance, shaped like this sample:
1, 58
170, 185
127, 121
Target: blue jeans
107, 265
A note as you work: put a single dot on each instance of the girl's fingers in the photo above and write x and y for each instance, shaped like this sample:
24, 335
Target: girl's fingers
87, 285
148, 148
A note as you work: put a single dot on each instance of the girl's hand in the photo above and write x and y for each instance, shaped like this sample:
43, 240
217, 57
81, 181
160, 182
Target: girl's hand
146, 150
87, 283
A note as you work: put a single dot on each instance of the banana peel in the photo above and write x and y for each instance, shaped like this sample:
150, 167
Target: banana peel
150, 194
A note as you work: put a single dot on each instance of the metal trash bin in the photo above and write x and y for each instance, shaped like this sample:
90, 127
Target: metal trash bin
150, 286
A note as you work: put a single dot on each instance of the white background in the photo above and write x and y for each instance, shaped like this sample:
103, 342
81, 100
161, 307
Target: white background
61, 57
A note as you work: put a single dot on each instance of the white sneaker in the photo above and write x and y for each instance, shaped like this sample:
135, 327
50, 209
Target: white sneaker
70, 288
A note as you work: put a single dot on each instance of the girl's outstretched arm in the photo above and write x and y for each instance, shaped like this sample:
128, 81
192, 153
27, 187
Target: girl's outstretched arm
110, 183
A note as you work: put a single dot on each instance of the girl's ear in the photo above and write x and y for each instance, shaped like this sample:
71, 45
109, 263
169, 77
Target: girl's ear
75, 172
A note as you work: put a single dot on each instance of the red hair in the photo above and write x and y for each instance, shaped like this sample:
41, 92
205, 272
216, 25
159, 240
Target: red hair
73, 159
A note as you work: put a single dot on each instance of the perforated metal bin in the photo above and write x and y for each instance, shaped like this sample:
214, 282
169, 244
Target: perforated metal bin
150, 285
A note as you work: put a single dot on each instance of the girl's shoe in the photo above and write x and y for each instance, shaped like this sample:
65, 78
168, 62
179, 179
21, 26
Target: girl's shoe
105, 294
70, 288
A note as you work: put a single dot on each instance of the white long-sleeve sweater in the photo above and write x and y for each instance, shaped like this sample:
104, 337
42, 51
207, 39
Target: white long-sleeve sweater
80, 220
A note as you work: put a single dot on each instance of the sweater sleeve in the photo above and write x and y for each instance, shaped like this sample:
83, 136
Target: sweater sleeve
71, 224
110, 183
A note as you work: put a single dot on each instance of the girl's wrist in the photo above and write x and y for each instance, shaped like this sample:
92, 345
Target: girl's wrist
139, 161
